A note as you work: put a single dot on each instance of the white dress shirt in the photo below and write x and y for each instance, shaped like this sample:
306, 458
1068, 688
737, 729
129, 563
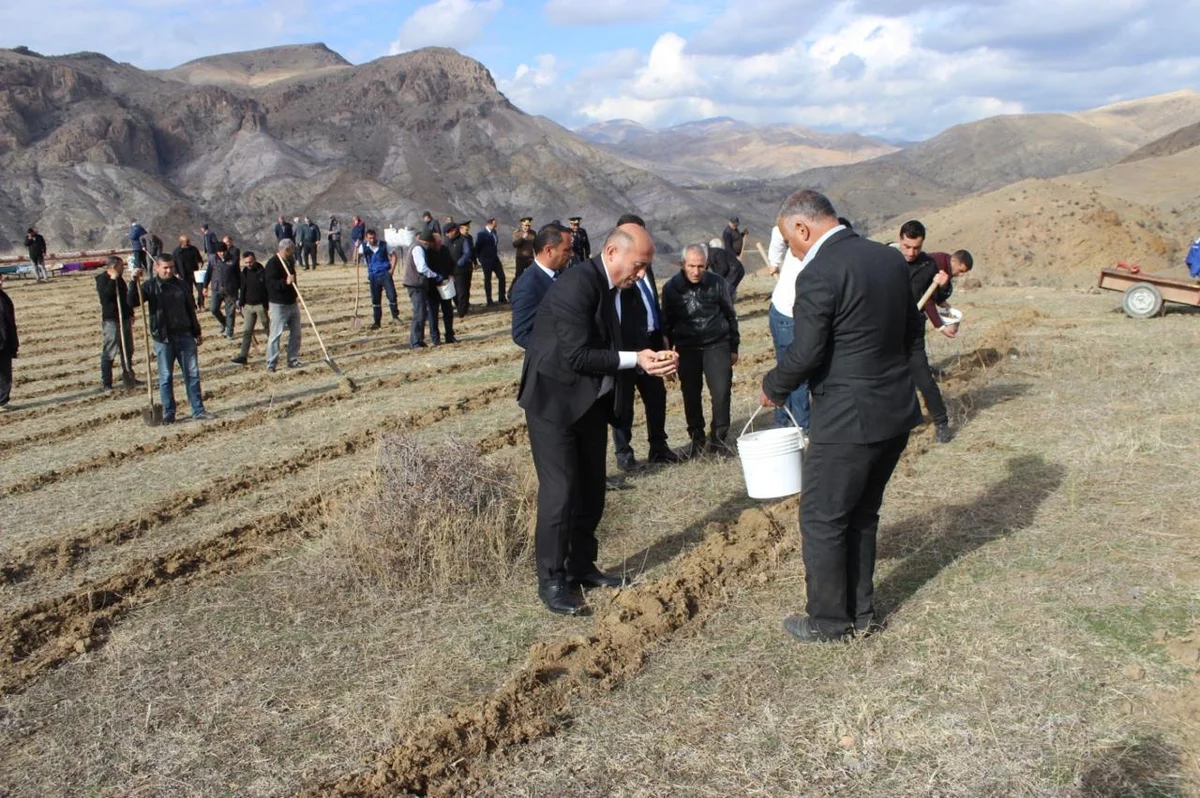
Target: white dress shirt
783, 298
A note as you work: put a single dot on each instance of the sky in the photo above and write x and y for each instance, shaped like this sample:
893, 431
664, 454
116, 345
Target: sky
900, 69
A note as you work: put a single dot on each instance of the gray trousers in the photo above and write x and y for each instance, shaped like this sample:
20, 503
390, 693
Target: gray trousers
284, 316
111, 353
254, 315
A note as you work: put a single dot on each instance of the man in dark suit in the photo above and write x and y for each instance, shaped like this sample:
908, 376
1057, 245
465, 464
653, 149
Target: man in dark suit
569, 383
641, 328
487, 251
553, 248
854, 327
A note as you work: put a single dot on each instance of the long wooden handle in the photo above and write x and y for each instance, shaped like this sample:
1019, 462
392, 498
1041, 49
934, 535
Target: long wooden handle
146, 333
304, 305
763, 252
927, 296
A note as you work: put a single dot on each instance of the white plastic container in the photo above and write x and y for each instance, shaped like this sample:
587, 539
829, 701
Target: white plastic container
199, 276
950, 317
446, 290
771, 459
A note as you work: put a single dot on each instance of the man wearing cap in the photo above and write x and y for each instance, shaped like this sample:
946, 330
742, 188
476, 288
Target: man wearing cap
462, 249
487, 252
522, 242
733, 238
581, 247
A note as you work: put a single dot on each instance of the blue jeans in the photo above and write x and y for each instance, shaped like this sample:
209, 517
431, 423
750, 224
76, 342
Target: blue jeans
783, 330
181, 349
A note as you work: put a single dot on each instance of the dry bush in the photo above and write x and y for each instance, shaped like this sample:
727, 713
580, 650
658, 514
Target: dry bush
435, 516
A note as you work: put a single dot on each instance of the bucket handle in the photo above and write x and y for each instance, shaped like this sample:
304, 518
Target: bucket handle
756, 412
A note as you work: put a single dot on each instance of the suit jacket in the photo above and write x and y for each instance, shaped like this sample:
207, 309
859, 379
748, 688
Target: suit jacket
634, 334
854, 326
487, 246
573, 347
525, 296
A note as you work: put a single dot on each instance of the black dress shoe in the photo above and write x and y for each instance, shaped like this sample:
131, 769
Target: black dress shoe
942, 433
627, 463
801, 628
597, 578
559, 599
867, 627
663, 456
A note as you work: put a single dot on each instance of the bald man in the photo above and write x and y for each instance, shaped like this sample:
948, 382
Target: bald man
569, 391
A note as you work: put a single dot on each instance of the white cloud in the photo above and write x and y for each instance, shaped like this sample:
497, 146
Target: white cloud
528, 86
570, 13
445, 23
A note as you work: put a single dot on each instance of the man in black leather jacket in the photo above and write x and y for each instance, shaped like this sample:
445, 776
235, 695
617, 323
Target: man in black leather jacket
699, 319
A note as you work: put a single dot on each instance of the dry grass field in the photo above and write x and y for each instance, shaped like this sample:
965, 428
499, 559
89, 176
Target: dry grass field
176, 617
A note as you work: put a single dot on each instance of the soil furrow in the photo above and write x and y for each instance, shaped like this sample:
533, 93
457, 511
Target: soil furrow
330, 395
439, 757
68, 552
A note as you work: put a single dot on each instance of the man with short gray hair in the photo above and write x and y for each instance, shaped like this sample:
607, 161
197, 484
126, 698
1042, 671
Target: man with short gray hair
854, 328
280, 276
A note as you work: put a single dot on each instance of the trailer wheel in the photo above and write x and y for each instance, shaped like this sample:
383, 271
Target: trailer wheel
1142, 301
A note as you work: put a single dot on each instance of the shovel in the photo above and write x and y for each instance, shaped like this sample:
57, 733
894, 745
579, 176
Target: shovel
356, 322
153, 414
126, 364
350, 383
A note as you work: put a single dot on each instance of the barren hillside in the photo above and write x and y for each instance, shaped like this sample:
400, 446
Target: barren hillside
258, 67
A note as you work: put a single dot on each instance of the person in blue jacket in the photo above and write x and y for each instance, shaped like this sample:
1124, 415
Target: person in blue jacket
381, 266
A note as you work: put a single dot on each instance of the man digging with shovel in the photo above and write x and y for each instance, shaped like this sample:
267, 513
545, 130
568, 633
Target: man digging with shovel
176, 331
116, 318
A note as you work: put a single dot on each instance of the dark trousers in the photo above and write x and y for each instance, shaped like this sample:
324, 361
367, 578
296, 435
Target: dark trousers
490, 268
383, 284
114, 350
308, 256
223, 309
199, 295
462, 291
447, 308
922, 377
839, 517
522, 265
654, 399
335, 245
6, 379
570, 463
697, 366
419, 297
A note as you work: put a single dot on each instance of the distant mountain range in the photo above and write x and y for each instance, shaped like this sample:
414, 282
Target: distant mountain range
87, 144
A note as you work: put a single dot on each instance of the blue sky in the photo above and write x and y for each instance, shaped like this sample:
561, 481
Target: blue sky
898, 68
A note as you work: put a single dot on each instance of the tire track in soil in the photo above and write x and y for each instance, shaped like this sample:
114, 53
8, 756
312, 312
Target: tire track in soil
328, 396
68, 553
442, 756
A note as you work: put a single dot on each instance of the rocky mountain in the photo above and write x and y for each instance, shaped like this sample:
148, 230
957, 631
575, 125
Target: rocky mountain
1177, 141
717, 150
86, 144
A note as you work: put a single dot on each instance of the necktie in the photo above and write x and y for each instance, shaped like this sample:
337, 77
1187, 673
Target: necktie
645, 287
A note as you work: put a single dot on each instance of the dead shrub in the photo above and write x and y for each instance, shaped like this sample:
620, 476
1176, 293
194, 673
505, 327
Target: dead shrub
436, 516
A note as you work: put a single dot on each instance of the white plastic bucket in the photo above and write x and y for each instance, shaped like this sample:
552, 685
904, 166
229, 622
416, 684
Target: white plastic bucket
951, 317
446, 290
771, 459
199, 276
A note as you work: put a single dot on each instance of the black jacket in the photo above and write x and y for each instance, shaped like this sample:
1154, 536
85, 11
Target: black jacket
9, 342
635, 326
699, 315
573, 346
225, 276
855, 324
278, 290
440, 260
253, 289
172, 310
284, 230
187, 261
487, 247
723, 263
36, 246
110, 292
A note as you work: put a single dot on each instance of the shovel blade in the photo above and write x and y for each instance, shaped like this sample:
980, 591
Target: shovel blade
152, 416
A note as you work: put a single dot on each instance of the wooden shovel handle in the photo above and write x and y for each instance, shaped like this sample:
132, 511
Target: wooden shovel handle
926, 296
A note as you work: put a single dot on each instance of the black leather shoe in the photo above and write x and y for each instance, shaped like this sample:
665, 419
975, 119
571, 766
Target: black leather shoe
627, 463
801, 628
696, 448
942, 433
663, 456
597, 578
866, 628
559, 599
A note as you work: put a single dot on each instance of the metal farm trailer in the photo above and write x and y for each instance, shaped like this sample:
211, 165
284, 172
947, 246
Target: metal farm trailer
1146, 293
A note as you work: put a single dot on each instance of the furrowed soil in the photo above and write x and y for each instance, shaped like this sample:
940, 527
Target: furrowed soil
170, 623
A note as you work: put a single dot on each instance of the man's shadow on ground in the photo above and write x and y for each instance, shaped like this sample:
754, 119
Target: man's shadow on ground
999, 511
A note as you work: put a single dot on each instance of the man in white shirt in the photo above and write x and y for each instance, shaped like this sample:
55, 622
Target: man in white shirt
779, 318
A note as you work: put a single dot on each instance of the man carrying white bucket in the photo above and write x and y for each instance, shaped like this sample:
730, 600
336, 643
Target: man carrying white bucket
854, 327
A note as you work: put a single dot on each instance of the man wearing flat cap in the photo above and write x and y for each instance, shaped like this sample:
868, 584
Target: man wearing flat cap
522, 242
462, 249
582, 248
733, 238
